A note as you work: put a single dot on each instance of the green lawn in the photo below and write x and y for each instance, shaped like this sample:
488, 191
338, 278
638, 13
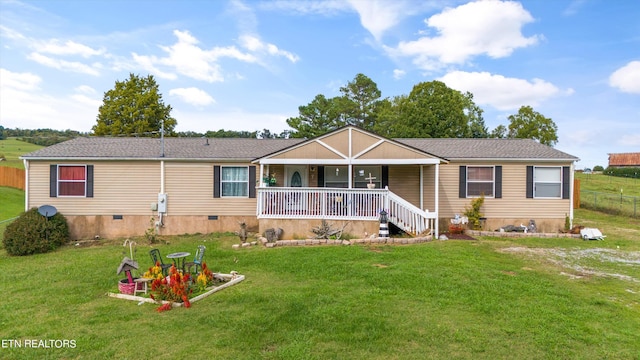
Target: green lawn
488, 299
12, 149
609, 184
12, 201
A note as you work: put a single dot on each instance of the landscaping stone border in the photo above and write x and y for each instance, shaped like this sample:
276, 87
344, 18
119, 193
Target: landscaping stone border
521, 234
320, 242
233, 279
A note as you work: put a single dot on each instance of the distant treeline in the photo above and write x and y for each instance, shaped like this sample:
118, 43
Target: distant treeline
628, 172
48, 137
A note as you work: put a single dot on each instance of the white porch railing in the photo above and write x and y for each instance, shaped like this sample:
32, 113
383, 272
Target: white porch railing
342, 204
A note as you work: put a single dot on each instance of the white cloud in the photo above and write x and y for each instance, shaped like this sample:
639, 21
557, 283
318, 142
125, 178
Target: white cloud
491, 28
398, 74
193, 96
324, 7
377, 16
64, 65
25, 106
627, 78
254, 44
498, 91
237, 120
18, 81
56, 47
85, 89
187, 58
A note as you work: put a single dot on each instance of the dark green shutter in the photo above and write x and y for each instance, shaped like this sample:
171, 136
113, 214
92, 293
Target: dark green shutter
498, 183
530, 182
252, 181
89, 181
320, 176
566, 185
53, 180
216, 181
462, 183
385, 176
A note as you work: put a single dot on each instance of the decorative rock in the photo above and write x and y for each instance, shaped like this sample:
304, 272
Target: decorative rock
346, 242
245, 244
270, 245
235, 246
253, 243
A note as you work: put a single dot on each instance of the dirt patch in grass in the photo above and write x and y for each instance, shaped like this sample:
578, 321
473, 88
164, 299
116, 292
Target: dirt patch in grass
581, 263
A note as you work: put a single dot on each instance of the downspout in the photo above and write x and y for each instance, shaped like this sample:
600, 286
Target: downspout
437, 199
571, 196
26, 184
349, 171
160, 222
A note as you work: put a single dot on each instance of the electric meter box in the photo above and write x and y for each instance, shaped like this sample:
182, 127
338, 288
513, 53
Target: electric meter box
162, 203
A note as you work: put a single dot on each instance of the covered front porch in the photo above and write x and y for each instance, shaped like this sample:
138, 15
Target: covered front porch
350, 175
344, 204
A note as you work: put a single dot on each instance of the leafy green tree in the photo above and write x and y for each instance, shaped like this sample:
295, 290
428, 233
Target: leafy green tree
598, 168
231, 134
500, 132
1, 132
134, 107
433, 110
359, 100
318, 117
530, 124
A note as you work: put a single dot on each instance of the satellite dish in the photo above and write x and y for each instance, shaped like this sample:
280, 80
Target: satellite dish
47, 210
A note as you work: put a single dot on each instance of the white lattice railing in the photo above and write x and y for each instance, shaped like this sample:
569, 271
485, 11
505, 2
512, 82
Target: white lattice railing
342, 204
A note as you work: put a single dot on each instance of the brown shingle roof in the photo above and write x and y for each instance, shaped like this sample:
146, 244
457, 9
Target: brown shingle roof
151, 148
249, 149
452, 149
624, 159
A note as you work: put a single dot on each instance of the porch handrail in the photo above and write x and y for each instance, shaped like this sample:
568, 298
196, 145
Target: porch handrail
342, 204
409, 217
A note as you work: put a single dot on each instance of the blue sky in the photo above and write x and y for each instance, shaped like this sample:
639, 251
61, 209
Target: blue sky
248, 65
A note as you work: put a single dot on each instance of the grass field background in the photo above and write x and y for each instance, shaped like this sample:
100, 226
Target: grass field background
12, 149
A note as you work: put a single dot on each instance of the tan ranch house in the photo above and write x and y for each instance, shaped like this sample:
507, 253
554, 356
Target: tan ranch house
118, 187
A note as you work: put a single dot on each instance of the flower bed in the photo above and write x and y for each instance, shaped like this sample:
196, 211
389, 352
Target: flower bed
231, 279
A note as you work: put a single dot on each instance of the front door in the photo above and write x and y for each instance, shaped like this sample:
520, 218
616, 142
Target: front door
296, 176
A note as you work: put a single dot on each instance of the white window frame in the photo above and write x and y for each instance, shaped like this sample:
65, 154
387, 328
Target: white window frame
58, 181
492, 181
559, 182
222, 181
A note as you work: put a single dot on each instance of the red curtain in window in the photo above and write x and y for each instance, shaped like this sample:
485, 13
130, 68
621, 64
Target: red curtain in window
71, 173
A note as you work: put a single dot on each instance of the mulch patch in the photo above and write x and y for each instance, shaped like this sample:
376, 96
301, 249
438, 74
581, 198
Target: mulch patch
458, 236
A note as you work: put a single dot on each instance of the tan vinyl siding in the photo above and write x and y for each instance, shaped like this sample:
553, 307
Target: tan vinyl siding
189, 188
513, 204
120, 188
404, 181
429, 186
338, 141
361, 141
309, 151
391, 151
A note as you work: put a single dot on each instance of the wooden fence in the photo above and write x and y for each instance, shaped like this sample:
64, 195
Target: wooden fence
12, 177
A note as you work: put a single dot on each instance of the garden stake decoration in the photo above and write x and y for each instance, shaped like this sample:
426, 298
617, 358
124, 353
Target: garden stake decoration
126, 266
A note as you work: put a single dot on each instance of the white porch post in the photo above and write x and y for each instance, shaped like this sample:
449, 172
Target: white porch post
422, 187
437, 199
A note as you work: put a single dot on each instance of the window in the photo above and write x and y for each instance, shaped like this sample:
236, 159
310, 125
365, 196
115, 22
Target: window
72, 180
234, 181
336, 176
361, 175
547, 182
480, 181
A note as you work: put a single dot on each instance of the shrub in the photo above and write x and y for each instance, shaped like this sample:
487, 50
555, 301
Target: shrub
630, 172
32, 233
473, 212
